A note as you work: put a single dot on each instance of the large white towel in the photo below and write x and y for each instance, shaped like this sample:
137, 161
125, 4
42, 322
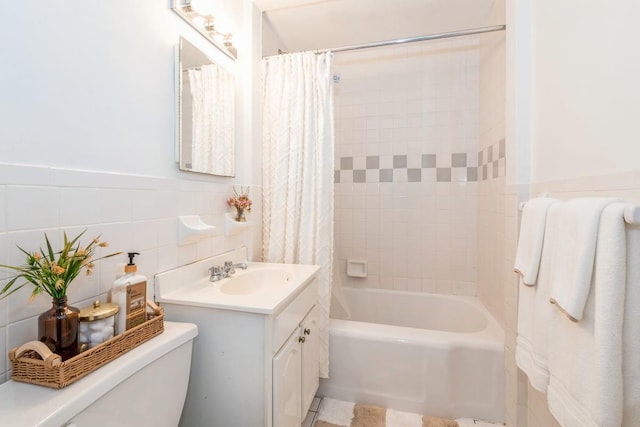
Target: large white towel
571, 277
534, 311
631, 331
586, 358
532, 224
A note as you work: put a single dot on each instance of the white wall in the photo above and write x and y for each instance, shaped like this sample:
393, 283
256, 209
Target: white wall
572, 96
89, 85
87, 141
584, 91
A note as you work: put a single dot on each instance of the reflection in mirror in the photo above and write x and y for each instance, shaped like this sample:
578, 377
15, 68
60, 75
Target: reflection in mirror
206, 113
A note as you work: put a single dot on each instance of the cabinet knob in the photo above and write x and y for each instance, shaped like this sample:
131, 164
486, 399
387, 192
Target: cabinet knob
302, 339
307, 331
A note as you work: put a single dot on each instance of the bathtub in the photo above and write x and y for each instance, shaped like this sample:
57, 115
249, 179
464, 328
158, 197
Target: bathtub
430, 354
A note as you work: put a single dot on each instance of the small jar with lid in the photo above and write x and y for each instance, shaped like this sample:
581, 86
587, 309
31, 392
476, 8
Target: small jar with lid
97, 324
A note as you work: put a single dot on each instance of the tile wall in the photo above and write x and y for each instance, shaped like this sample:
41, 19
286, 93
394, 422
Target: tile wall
497, 218
491, 194
408, 165
131, 212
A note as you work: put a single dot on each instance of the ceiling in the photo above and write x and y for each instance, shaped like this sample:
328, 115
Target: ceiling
299, 25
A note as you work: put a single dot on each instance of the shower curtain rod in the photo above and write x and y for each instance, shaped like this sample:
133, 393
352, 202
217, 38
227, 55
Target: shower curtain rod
416, 39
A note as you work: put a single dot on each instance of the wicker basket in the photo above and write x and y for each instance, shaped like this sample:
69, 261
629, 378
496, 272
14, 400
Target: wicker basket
34, 363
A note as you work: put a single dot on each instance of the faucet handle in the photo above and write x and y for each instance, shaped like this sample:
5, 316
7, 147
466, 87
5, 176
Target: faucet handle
215, 273
228, 267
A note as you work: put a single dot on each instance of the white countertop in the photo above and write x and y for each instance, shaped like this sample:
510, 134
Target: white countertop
187, 289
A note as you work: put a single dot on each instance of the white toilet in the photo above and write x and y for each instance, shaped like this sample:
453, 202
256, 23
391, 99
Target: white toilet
146, 386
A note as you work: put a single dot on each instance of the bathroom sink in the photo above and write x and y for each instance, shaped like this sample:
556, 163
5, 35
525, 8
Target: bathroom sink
253, 282
262, 288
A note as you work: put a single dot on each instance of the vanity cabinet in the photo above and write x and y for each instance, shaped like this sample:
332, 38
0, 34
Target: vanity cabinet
296, 373
251, 366
310, 360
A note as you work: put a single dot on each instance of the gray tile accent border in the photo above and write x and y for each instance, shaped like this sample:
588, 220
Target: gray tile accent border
414, 175
488, 164
386, 175
346, 163
472, 174
428, 160
459, 160
443, 174
394, 168
400, 161
373, 162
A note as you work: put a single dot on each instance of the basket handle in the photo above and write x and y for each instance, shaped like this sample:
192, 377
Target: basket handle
156, 309
50, 358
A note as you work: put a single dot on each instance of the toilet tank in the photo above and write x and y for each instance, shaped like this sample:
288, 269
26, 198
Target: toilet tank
146, 386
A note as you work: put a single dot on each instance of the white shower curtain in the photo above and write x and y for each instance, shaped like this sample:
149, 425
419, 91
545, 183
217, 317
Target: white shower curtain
297, 177
213, 116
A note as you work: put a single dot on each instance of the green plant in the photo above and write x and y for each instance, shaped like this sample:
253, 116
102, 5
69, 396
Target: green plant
52, 272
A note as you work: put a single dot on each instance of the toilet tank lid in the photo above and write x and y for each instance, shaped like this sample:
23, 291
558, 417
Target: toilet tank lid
29, 405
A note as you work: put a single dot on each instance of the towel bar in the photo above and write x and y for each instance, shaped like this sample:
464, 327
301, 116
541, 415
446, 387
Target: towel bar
631, 213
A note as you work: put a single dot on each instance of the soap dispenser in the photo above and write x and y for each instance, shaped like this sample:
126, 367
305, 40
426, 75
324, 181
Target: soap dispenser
130, 293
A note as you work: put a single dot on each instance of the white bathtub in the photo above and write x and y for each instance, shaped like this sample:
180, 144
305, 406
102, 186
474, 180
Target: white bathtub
439, 355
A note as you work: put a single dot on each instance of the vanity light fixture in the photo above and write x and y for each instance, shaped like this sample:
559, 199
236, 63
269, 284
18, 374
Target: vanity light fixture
202, 19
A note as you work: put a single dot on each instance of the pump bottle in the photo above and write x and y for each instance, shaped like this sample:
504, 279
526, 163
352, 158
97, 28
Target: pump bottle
130, 293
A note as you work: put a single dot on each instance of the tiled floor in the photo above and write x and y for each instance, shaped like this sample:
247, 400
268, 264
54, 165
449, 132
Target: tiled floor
313, 413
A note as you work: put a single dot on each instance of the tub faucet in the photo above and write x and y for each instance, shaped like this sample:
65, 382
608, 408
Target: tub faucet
218, 273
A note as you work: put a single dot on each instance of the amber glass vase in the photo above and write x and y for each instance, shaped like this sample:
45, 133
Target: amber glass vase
240, 215
58, 328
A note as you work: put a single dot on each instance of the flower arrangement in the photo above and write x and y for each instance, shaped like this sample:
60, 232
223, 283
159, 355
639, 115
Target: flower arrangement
52, 272
240, 201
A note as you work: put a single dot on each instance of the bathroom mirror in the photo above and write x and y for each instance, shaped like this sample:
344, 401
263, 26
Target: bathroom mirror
206, 113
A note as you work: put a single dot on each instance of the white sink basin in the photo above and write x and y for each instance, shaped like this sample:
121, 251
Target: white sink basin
253, 282
262, 288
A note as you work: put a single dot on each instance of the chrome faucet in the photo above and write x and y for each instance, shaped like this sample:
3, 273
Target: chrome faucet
218, 273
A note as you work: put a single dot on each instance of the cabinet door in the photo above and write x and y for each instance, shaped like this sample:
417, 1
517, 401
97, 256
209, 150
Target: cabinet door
310, 360
287, 384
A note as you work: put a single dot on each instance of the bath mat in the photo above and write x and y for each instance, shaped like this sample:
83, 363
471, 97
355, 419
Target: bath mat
336, 413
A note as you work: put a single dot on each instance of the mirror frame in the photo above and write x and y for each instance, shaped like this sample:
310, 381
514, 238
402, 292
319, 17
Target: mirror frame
178, 83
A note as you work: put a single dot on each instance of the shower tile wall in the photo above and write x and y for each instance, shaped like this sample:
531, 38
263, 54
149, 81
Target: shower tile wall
408, 165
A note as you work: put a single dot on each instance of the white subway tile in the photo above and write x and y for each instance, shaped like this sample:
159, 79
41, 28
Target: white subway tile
20, 332
32, 207
79, 206
3, 350
3, 209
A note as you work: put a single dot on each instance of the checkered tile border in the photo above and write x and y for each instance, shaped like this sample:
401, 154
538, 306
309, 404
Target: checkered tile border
486, 164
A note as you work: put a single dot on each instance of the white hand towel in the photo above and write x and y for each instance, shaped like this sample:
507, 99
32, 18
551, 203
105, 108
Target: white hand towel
631, 331
585, 358
534, 311
534, 217
571, 277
